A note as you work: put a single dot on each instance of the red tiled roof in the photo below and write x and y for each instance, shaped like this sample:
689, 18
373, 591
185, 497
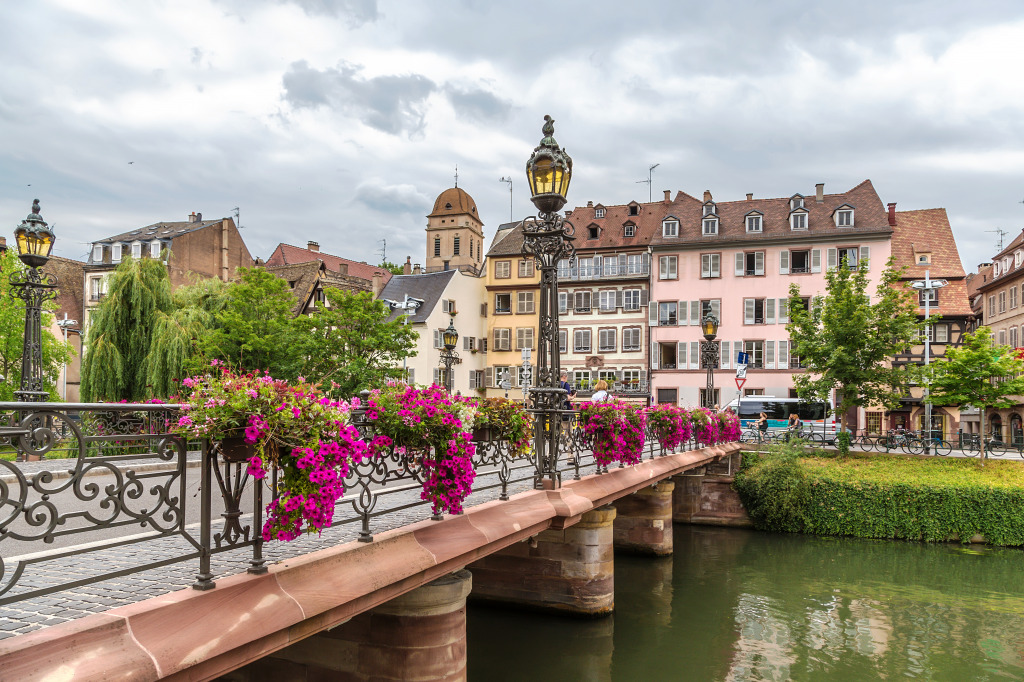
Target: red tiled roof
1004, 266
926, 231
286, 254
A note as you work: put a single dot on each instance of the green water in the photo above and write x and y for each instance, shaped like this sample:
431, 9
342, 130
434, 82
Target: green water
742, 605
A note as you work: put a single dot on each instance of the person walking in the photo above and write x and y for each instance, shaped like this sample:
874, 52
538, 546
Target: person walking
570, 392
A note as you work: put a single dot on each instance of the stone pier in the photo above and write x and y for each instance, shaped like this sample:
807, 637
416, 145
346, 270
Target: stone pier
643, 523
571, 570
705, 495
420, 635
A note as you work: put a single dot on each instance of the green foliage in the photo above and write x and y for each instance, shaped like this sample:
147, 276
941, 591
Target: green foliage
843, 439
978, 374
350, 345
885, 497
392, 268
846, 341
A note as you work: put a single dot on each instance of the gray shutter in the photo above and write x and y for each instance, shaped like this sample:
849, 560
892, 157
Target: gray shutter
694, 355
681, 355
759, 263
647, 263
748, 311
654, 354
716, 308
783, 361
740, 265
725, 361
645, 297
833, 258
618, 298
783, 310
769, 311
815, 260
695, 312
652, 315
784, 262
769, 354
681, 312
865, 255
437, 375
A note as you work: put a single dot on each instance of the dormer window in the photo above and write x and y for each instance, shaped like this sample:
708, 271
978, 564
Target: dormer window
136, 249
795, 202
97, 253
995, 269
754, 223
629, 230
670, 227
710, 226
709, 208
634, 209
924, 258
844, 217
1018, 258
798, 221
154, 249
598, 212
115, 253
593, 232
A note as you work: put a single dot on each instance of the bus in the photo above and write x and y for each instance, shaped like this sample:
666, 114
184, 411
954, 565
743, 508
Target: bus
819, 417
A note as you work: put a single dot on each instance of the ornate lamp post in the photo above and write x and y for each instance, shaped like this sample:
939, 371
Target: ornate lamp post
709, 354
548, 239
450, 339
35, 242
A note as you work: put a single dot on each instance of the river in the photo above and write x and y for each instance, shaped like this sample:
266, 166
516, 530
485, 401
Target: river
743, 605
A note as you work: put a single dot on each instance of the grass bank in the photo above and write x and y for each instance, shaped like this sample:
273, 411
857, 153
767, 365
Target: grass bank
884, 496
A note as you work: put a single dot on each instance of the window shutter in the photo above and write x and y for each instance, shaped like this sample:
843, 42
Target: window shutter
748, 311
694, 355
681, 312
618, 298
695, 312
783, 355
759, 263
652, 315
716, 309
597, 266
833, 258
769, 354
815, 260
865, 255
647, 263
483, 310
645, 297
769, 311
437, 375
654, 353
514, 371
783, 310
784, 262
622, 263
681, 355
437, 338
739, 264
725, 362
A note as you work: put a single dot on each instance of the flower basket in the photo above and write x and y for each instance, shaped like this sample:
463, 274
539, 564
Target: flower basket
481, 434
235, 449
616, 431
507, 421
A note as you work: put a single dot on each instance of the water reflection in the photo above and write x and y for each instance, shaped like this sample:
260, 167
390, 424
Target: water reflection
741, 605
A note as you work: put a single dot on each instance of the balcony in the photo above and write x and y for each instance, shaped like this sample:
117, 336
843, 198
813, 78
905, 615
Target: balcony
605, 271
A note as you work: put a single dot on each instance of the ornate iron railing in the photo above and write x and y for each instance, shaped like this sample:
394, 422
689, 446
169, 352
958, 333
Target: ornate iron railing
113, 478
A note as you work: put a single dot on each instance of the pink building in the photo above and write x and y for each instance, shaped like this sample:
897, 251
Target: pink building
737, 259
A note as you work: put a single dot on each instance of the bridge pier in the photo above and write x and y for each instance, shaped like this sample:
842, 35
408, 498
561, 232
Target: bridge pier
420, 635
571, 570
705, 496
643, 524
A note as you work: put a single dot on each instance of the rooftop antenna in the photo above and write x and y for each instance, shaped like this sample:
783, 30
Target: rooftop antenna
456, 176
508, 179
1001, 232
648, 182
238, 217
383, 250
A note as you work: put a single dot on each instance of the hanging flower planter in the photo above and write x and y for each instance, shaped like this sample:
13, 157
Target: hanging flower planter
616, 431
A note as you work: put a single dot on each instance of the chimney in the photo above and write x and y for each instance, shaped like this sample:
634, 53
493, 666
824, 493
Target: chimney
416, 270
707, 196
313, 246
407, 268
819, 192
750, 196
590, 204
668, 196
378, 283
192, 217
892, 214
199, 217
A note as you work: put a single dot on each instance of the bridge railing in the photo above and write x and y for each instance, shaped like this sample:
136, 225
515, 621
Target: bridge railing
113, 492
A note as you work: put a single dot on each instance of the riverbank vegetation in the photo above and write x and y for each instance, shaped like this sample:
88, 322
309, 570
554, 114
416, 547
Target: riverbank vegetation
880, 496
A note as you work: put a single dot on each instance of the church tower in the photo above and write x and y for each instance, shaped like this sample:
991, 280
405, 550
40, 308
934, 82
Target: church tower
455, 234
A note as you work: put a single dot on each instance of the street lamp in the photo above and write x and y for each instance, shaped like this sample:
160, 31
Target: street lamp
35, 242
450, 339
709, 354
547, 238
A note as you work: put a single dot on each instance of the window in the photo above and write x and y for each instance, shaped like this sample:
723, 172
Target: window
564, 269
95, 288
667, 267
563, 302
755, 349
524, 304
448, 306
154, 249
796, 202
631, 339
844, 218
524, 338
667, 395
438, 338
563, 340
798, 221
666, 356
710, 226
581, 301
711, 306
592, 232
631, 299
581, 379
1013, 298
115, 253
581, 341
502, 303
606, 301
754, 310
501, 372
437, 247
670, 228
800, 262
635, 265
502, 339
942, 333
750, 263
924, 259
1013, 337
456, 243
598, 212
991, 305
1002, 337
709, 208
1002, 301
97, 253
476, 378
929, 296
469, 343
585, 268
502, 269
710, 265
847, 256
483, 345
667, 314
137, 250
629, 230
631, 378
709, 401
606, 340
753, 223
634, 209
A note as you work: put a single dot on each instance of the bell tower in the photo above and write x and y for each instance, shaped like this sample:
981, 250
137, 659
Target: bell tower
455, 234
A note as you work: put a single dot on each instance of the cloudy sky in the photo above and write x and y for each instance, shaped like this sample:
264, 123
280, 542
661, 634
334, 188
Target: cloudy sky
341, 120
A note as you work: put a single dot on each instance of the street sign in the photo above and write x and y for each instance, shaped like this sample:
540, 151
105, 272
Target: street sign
742, 358
741, 372
526, 356
739, 382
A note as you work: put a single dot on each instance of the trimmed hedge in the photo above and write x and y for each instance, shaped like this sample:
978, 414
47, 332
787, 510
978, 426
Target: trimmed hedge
879, 496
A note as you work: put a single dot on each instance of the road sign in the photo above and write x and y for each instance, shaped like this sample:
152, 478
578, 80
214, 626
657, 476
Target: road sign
741, 371
743, 358
739, 383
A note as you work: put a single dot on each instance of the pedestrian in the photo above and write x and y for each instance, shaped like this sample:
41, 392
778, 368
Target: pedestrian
570, 392
600, 392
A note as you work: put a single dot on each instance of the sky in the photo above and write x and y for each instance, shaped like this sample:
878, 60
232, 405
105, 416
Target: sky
340, 121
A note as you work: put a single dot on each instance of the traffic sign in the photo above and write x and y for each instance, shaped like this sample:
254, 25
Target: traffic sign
739, 383
742, 358
741, 372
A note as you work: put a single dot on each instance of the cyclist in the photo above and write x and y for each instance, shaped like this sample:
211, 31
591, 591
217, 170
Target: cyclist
762, 426
793, 426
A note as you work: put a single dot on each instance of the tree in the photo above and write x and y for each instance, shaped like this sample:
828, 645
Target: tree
56, 353
352, 344
392, 268
847, 342
977, 374
118, 363
255, 330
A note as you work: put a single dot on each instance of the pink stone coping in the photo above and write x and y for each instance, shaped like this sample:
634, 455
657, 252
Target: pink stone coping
193, 635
